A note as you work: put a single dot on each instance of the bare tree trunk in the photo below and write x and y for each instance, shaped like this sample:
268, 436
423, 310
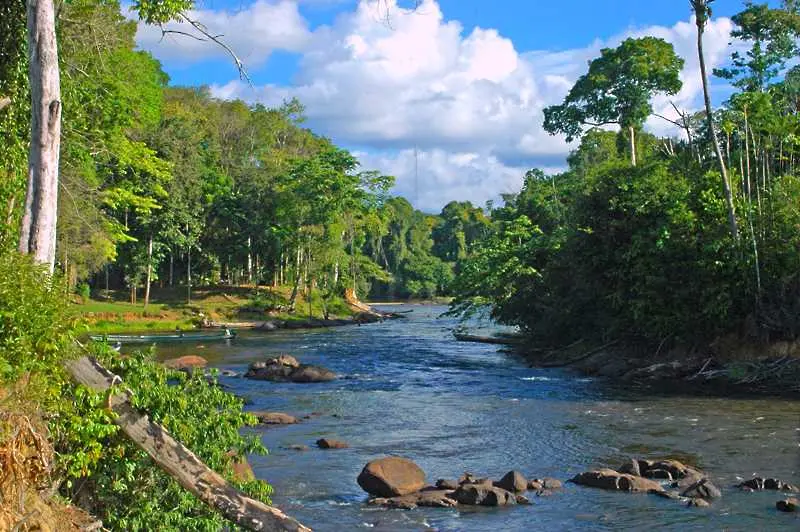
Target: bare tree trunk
171, 267
702, 11
38, 232
293, 298
149, 277
189, 276
633, 145
249, 260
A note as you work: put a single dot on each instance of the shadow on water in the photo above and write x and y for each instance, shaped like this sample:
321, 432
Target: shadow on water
408, 388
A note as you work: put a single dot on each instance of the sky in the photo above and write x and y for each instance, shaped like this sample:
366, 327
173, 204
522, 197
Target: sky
447, 97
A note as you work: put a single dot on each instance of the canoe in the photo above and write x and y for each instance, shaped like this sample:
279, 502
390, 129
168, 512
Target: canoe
155, 338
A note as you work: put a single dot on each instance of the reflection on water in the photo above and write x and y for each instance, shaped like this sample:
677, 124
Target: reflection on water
409, 389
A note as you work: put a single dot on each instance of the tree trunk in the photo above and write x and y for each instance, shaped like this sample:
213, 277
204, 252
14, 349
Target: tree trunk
189, 276
632, 134
149, 276
176, 460
249, 260
701, 21
38, 232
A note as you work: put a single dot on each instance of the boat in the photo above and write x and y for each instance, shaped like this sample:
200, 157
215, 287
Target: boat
227, 334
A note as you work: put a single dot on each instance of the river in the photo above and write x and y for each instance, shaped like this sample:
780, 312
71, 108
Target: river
408, 388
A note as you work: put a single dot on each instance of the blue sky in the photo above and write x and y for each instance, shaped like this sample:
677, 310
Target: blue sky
462, 81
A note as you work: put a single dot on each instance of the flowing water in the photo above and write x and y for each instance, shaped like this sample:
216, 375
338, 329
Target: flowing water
408, 388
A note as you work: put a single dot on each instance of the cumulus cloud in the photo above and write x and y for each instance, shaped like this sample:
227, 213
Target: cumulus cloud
253, 32
467, 98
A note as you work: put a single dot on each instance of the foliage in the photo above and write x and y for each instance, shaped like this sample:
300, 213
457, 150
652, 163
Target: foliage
618, 87
35, 325
127, 491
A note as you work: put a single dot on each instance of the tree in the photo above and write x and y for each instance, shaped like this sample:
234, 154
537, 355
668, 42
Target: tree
772, 34
702, 11
618, 89
38, 231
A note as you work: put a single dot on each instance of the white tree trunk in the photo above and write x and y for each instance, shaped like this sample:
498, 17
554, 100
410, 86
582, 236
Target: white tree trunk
149, 279
38, 232
633, 145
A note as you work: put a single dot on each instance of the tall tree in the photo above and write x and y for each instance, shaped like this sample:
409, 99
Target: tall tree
702, 11
38, 233
618, 89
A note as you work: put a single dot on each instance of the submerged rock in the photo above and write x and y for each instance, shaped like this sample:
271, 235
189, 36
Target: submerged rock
792, 504
275, 418
187, 362
698, 503
391, 476
326, 443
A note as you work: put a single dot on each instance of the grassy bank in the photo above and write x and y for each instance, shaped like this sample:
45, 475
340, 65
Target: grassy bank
169, 308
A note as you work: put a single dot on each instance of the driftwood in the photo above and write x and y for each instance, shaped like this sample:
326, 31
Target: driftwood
178, 461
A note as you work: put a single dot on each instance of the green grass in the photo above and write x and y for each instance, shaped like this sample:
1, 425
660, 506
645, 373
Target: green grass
169, 310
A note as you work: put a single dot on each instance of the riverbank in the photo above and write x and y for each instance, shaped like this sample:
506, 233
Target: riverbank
731, 365
239, 306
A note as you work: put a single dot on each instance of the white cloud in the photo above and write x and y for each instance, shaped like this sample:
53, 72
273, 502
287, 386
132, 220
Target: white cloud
253, 33
426, 81
465, 176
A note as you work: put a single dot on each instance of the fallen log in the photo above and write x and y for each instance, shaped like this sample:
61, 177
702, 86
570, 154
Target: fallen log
508, 340
178, 461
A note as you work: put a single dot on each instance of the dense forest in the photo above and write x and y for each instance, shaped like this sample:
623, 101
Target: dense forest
163, 185
659, 240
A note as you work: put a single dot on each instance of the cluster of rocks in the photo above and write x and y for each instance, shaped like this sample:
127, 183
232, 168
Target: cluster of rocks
396, 482
286, 368
666, 478
790, 504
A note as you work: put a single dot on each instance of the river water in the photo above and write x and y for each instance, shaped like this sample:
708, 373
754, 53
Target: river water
408, 388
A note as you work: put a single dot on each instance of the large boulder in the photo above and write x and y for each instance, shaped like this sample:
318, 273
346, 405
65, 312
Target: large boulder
608, 479
287, 368
512, 481
482, 495
391, 476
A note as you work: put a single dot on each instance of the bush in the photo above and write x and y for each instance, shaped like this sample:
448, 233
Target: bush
128, 491
98, 466
36, 330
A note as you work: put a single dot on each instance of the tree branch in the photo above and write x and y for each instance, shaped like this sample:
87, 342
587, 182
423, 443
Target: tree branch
203, 30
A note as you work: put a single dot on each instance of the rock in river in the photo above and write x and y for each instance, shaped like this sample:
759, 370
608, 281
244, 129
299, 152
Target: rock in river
327, 443
791, 504
187, 362
702, 489
275, 418
391, 476
287, 368
608, 479
758, 484
482, 495
512, 481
